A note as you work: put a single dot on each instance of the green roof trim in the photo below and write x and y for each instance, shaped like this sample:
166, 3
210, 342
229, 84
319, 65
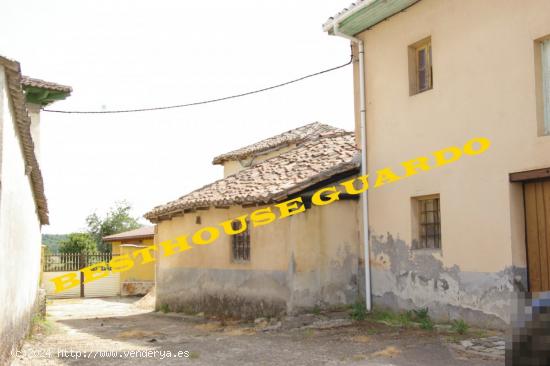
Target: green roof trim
43, 96
368, 16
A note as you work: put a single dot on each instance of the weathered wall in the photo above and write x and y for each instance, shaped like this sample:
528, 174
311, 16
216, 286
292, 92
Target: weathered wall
301, 261
483, 85
19, 235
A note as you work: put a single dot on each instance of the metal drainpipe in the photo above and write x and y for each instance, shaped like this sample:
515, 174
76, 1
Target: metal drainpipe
363, 122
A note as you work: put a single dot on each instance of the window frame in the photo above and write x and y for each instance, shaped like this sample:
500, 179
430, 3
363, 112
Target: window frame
542, 56
415, 81
420, 241
241, 241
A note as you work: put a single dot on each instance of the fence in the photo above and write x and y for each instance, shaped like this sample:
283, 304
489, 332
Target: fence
66, 262
60, 264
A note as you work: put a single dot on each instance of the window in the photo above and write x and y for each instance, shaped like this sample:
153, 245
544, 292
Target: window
240, 243
426, 223
545, 72
420, 66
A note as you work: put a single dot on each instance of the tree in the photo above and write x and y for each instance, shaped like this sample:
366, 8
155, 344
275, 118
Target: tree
53, 241
117, 220
78, 243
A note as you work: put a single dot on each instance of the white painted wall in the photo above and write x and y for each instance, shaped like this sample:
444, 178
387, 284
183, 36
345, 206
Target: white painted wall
19, 232
34, 114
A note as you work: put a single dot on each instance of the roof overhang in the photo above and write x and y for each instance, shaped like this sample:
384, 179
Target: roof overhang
365, 14
44, 92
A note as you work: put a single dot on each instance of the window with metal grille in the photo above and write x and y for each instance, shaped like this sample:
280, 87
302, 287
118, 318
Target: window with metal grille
429, 224
240, 242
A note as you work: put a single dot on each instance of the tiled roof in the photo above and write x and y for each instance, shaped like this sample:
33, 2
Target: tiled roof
143, 232
23, 123
312, 161
284, 139
37, 83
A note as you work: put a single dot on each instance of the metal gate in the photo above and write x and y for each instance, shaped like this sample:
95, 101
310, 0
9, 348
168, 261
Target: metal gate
54, 265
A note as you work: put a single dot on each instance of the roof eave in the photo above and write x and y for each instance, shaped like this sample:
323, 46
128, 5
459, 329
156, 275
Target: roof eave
366, 15
123, 238
23, 122
43, 96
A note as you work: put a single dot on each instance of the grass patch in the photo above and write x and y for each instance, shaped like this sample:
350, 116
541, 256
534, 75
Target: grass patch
40, 325
405, 319
392, 319
358, 311
194, 355
422, 317
459, 326
316, 310
427, 324
164, 308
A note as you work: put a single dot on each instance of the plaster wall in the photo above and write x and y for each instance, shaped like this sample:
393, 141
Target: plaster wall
34, 114
20, 238
297, 262
138, 273
484, 84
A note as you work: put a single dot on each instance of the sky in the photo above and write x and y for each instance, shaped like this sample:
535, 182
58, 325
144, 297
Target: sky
133, 54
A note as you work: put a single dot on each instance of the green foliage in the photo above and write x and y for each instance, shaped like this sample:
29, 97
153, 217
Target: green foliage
40, 325
316, 310
164, 308
391, 318
459, 326
53, 241
427, 324
117, 220
421, 315
78, 243
358, 311
405, 319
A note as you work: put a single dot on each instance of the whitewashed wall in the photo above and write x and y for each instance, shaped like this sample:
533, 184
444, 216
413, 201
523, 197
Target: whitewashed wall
19, 233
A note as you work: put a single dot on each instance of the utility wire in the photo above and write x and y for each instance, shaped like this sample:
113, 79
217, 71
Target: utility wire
204, 101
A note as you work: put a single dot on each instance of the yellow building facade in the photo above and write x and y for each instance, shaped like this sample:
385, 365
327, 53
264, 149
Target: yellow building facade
438, 73
140, 278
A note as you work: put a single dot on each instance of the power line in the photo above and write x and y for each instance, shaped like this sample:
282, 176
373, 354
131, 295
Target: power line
204, 101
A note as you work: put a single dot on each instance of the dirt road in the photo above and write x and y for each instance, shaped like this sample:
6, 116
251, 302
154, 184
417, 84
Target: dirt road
116, 332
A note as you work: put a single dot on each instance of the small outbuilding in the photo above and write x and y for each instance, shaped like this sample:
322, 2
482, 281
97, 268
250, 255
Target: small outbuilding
291, 264
141, 278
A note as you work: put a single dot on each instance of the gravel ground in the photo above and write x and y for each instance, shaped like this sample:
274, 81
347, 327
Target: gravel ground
116, 332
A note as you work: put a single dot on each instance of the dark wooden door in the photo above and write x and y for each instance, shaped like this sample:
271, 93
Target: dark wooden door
537, 218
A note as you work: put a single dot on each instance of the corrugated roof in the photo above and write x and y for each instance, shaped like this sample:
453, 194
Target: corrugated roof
143, 232
284, 139
23, 123
311, 162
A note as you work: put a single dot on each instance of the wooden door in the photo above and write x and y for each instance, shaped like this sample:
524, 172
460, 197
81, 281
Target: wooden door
537, 218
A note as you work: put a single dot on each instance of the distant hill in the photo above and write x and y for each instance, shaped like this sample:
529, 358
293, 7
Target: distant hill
53, 241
